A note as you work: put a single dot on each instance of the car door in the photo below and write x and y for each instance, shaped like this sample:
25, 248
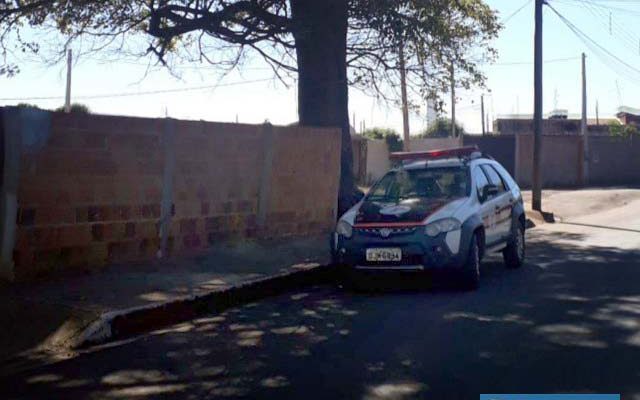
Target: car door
487, 207
502, 202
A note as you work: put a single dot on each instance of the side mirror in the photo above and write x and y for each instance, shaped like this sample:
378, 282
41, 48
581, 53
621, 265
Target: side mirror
488, 192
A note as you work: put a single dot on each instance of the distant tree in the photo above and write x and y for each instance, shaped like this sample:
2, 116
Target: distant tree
76, 108
394, 142
441, 128
617, 129
27, 105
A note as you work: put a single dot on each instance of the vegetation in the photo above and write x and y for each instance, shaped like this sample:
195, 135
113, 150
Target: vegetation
327, 45
627, 131
27, 105
76, 108
394, 142
441, 128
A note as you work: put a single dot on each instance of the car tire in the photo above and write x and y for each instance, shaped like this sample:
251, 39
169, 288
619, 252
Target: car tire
471, 268
515, 251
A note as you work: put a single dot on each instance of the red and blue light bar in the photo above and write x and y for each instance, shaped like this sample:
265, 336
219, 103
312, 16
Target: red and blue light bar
458, 152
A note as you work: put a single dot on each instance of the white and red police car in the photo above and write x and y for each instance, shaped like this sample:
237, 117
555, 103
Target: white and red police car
440, 211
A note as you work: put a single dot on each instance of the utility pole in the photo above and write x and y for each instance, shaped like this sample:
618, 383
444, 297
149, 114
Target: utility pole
67, 97
403, 92
536, 198
487, 119
583, 124
453, 103
484, 131
597, 116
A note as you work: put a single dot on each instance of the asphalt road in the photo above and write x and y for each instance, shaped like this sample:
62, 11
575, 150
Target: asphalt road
568, 321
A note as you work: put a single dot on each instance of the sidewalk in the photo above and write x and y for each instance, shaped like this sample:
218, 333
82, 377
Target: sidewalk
47, 316
574, 204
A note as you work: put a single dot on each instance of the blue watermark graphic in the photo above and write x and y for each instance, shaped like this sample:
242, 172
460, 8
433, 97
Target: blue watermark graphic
572, 396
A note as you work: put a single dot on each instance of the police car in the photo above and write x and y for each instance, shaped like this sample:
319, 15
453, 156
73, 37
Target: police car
440, 211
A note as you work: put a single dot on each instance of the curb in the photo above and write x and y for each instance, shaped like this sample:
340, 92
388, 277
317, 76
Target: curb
123, 324
535, 218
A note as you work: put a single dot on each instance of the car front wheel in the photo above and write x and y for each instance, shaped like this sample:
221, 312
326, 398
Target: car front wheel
471, 269
514, 253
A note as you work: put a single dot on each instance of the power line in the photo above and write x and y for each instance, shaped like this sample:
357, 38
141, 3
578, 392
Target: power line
513, 14
586, 39
129, 94
552, 60
626, 37
620, 67
607, 7
160, 66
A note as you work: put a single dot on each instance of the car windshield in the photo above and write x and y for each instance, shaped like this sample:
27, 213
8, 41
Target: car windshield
448, 183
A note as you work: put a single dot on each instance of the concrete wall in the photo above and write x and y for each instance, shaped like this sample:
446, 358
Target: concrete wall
614, 161
377, 160
500, 147
98, 189
515, 126
426, 144
359, 152
561, 160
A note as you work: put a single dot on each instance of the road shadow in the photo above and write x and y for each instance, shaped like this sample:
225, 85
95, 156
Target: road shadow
568, 321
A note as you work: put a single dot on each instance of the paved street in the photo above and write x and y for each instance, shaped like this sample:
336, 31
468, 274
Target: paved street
568, 321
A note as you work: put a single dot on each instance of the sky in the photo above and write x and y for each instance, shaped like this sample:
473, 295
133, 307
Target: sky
253, 96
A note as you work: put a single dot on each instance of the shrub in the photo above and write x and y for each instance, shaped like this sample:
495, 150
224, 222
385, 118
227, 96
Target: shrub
390, 136
441, 128
617, 129
76, 108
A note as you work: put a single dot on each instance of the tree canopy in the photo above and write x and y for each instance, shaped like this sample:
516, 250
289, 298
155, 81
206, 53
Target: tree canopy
436, 34
324, 45
440, 128
390, 136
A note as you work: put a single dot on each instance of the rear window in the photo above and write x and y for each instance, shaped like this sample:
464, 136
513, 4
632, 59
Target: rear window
440, 183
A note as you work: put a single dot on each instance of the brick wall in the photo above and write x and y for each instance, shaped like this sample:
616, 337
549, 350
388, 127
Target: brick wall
90, 189
561, 160
426, 144
500, 147
514, 126
614, 161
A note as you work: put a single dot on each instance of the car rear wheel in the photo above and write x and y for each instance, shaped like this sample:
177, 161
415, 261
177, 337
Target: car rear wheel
471, 269
514, 253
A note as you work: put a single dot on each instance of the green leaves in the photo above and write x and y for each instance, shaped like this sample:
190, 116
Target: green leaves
390, 136
436, 35
441, 128
626, 131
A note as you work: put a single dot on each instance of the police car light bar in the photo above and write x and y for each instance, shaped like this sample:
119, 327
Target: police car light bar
459, 152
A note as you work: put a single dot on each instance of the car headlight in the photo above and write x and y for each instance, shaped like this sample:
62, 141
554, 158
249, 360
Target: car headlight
344, 228
441, 226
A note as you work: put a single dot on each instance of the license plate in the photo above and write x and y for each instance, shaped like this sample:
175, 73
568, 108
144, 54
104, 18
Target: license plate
384, 254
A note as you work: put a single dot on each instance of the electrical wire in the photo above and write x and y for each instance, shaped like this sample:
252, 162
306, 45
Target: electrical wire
551, 60
599, 4
626, 37
513, 14
601, 52
144, 93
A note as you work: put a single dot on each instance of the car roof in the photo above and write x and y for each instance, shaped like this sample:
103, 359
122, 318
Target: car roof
449, 162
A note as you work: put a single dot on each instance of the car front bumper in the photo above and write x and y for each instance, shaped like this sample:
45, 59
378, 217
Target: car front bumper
420, 252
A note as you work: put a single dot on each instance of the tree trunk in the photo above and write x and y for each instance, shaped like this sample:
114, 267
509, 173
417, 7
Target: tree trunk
323, 99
